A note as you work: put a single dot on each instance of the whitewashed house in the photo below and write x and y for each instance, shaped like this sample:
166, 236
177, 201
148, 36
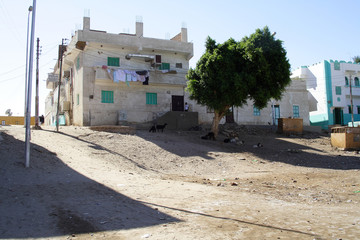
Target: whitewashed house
112, 78
332, 86
293, 104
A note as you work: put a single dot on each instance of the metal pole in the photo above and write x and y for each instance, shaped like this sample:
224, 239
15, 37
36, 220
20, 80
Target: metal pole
27, 59
59, 86
351, 104
37, 86
28, 103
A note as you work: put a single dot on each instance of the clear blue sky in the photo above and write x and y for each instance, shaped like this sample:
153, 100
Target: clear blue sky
312, 30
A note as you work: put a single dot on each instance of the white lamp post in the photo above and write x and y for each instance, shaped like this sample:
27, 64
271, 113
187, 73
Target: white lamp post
27, 59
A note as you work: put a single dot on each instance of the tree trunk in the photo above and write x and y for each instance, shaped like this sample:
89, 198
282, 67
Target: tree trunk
215, 124
218, 115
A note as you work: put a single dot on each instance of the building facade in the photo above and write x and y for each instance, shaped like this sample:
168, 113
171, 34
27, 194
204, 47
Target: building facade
293, 104
110, 78
334, 92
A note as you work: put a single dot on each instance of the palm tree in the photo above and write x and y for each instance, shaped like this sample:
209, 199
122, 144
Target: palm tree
356, 59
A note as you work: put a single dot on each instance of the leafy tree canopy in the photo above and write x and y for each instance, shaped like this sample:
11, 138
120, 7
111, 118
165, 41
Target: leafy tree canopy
230, 73
356, 59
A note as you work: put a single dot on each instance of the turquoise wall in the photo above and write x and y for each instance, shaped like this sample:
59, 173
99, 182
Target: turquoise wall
347, 118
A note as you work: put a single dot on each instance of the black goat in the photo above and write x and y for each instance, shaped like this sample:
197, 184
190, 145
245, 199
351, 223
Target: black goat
209, 136
161, 127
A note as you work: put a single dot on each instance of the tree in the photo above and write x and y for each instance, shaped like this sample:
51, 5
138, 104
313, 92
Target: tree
229, 74
356, 59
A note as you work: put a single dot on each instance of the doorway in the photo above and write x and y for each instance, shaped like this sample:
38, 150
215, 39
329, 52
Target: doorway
230, 115
177, 103
338, 116
277, 113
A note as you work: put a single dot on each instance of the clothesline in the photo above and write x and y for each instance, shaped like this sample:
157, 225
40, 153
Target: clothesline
127, 76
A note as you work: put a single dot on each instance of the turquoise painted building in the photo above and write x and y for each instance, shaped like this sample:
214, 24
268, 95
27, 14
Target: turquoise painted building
333, 92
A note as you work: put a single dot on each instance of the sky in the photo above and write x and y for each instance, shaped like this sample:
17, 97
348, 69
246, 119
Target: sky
311, 31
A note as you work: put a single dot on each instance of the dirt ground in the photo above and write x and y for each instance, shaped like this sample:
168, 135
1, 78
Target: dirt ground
85, 184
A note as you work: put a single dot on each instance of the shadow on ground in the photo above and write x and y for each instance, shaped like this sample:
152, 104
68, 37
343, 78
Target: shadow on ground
50, 199
275, 148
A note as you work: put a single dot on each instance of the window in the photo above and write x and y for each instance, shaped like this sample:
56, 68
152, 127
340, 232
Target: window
296, 113
107, 96
178, 65
78, 63
338, 90
358, 109
113, 61
151, 98
165, 66
336, 65
349, 107
357, 81
256, 111
346, 81
77, 99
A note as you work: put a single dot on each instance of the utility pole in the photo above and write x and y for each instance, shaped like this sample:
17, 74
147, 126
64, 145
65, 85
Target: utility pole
37, 86
351, 104
27, 59
28, 102
59, 84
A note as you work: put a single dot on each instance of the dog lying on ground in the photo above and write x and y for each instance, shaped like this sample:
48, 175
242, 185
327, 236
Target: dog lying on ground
209, 136
161, 127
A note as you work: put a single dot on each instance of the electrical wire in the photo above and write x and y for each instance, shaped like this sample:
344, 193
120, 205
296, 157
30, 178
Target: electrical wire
8, 21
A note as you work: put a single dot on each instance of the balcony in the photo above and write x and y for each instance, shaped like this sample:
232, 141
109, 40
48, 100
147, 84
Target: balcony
355, 90
52, 80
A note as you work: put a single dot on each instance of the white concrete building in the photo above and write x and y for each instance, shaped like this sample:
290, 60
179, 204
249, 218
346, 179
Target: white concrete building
293, 104
112, 78
332, 86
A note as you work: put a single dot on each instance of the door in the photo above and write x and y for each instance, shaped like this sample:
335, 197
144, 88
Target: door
338, 118
177, 103
230, 115
277, 113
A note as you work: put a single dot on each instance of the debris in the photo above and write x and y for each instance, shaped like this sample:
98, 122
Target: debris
259, 145
234, 184
146, 235
240, 142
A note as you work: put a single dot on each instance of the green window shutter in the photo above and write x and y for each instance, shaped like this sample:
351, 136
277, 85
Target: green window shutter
256, 111
107, 96
151, 98
113, 61
165, 66
296, 113
78, 63
338, 90
346, 81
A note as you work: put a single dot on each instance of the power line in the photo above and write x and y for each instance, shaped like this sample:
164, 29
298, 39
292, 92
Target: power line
9, 22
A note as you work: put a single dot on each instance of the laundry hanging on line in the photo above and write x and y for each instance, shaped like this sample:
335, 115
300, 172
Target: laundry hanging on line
127, 76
